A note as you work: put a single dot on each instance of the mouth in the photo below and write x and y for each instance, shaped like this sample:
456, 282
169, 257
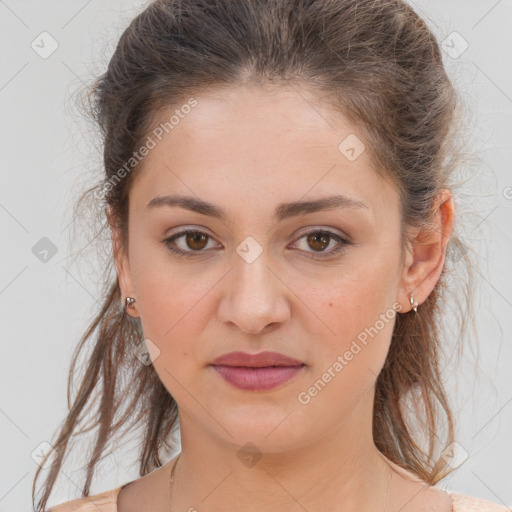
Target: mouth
257, 372
261, 360
257, 378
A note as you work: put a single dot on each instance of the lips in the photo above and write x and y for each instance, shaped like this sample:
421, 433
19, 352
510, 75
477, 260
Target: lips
256, 372
260, 360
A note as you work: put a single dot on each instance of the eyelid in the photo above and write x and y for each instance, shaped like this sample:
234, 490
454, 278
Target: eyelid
342, 240
303, 231
326, 229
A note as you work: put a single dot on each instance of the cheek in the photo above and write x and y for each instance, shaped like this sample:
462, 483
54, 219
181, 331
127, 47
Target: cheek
170, 307
346, 362
357, 311
170, 315
169, 299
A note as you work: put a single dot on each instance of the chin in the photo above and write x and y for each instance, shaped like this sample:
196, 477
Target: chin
264, 430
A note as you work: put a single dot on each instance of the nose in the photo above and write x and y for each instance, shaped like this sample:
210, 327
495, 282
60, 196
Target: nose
255, 298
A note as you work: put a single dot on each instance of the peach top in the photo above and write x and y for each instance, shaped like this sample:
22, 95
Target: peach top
107, 502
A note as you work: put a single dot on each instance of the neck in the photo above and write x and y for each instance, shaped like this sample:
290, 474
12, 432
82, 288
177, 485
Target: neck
342, 470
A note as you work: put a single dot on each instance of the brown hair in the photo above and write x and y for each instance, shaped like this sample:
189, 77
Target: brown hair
380, 65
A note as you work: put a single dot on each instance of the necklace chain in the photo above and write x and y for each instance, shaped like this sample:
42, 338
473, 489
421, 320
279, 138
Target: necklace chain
390, 474
171, 490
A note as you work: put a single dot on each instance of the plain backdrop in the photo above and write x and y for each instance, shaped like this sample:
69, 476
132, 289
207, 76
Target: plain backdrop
48, 155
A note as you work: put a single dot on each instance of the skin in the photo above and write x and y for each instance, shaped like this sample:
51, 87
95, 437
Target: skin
248, 150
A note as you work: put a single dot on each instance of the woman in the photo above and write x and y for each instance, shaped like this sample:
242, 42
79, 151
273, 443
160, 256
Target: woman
278, 192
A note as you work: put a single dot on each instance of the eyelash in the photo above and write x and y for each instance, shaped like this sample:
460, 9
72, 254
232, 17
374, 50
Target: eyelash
318, 255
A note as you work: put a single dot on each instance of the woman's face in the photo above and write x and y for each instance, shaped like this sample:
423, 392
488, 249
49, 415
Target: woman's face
269, 274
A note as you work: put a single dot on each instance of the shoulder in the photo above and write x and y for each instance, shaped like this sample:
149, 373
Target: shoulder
465, 503
105, 501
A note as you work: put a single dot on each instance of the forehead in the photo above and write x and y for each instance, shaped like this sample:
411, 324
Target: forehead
256, 144
261, 113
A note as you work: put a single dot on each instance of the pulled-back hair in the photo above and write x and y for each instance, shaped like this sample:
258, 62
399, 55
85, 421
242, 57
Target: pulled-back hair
379, 64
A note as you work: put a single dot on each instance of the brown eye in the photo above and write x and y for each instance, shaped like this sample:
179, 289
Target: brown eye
188, 243
196, 240
322, 244
318, 241
194, 243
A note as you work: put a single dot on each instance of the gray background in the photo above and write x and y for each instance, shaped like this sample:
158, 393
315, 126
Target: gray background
48, 156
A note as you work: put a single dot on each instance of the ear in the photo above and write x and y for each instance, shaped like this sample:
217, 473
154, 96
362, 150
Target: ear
425, 259
122, 263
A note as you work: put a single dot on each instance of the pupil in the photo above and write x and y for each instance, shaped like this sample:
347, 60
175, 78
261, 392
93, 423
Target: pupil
321, 239
196, 237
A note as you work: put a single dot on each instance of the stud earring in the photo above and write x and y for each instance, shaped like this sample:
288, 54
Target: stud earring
413, 303
128, 303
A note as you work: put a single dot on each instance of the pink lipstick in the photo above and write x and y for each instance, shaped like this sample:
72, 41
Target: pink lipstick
256, 372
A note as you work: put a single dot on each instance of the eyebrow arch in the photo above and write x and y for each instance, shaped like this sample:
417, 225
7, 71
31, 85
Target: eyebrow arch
283, 210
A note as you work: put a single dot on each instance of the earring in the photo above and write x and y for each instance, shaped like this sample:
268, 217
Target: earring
128, 303
414, 304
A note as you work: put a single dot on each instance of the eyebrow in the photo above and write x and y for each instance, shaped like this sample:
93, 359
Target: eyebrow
282, 211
